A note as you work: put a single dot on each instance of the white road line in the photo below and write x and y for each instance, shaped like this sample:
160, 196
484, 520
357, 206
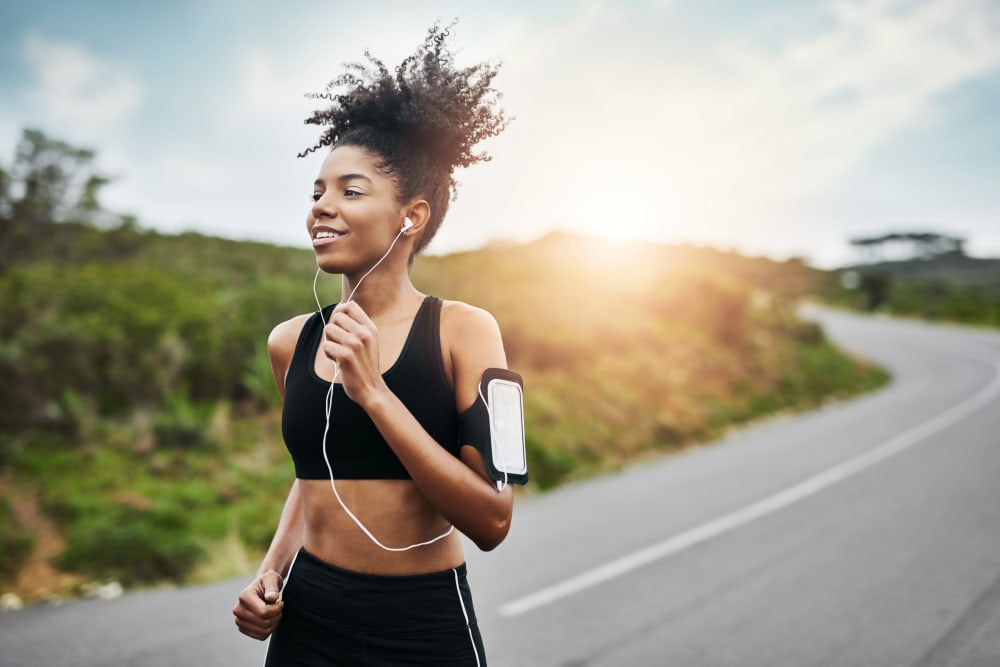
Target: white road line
761, 508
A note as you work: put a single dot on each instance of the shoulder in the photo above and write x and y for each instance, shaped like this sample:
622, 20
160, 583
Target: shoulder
281, 347
460, 321
283, 337
471, 340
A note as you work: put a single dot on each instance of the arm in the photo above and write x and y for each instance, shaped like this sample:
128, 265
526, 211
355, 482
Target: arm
259, 607
288, 536
457, 488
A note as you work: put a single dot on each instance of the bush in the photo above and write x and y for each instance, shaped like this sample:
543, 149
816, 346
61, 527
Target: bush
181, 424
547, 467
130, 544
16, 542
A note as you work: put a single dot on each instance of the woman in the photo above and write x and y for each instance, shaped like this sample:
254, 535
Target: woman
364, 567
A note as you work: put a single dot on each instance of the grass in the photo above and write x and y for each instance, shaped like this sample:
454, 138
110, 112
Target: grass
142, 507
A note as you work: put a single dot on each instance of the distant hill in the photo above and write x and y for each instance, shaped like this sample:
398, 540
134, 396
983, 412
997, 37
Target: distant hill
955, 269
950, 287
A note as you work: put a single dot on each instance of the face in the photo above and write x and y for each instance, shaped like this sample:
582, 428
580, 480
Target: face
355, 213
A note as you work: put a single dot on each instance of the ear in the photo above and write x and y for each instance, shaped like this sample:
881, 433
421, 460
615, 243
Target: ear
419, 212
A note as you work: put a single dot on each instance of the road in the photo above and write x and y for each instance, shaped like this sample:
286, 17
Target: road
866, 533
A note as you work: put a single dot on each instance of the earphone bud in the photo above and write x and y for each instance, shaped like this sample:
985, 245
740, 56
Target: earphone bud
407, 223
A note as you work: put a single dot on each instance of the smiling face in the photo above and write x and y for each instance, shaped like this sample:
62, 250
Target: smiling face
356, 212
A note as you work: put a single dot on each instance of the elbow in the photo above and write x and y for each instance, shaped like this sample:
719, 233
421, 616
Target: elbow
493, 534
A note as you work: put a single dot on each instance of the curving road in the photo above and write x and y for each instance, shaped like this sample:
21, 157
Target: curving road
866, 533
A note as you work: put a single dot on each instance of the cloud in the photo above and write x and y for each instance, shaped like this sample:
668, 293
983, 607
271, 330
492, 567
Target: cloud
73, 87
880, 70
652, 119
811, 108
728, 136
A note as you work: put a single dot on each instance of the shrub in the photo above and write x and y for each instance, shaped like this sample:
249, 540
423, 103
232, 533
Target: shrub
131, 544
16, 542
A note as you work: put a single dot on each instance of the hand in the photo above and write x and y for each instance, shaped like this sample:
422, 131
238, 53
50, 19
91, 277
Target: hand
259, 608
351, 342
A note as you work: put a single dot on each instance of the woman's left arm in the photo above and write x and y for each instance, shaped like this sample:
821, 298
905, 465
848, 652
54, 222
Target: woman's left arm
459, 489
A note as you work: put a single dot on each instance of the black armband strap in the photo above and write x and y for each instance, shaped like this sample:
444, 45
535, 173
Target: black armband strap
494, 425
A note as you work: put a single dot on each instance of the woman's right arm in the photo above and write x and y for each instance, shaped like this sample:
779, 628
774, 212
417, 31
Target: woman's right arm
259, 607
287, 538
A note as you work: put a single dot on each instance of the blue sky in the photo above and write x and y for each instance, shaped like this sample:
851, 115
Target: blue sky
771, 127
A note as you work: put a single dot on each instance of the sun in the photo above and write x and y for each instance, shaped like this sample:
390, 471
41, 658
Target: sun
622, 221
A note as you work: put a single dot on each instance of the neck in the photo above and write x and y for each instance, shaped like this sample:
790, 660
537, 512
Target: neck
379, 293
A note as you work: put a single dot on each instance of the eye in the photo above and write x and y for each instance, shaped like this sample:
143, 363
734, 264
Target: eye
351, 192
316, 196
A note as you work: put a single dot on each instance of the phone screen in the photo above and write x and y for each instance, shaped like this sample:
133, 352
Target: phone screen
507, 426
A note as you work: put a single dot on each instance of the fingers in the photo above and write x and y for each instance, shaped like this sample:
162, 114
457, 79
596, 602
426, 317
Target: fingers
354, 311
348, 320
349, 332
253, 608
259, 630
256, 626
254, 616
271, 582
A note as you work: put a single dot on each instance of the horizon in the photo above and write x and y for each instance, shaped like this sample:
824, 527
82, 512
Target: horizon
617, 247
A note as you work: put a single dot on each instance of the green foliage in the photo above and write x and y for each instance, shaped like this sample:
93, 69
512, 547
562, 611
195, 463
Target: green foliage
548, 467
141, 510
48, 181
130, 544
258, 380
940, 300
135, 333
16, 541
947, 295
181, 424
48, 173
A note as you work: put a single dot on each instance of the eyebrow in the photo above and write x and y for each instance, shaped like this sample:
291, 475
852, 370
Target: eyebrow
345, 177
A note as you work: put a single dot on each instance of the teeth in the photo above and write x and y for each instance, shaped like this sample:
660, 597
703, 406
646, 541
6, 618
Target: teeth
327, 235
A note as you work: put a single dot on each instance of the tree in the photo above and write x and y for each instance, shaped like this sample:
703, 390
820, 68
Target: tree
922, 245
49, 182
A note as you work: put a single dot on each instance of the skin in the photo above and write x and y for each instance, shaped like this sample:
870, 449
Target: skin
363, 339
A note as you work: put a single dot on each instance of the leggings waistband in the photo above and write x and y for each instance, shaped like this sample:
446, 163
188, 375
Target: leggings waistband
331, 595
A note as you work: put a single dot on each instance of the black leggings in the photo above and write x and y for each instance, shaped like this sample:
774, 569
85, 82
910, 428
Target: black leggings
337, 617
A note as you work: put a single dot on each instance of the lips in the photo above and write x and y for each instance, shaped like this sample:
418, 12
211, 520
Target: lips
325, 235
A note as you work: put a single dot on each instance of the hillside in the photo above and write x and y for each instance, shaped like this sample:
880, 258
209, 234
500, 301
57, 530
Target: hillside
950, 287
139, 429
957, 269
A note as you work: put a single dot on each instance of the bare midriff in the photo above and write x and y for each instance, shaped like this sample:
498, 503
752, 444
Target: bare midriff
394, 511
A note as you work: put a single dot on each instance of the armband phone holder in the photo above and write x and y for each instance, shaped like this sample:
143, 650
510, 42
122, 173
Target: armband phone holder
494, 425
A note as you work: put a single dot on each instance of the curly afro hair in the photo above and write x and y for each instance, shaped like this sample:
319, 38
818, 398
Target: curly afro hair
420, 122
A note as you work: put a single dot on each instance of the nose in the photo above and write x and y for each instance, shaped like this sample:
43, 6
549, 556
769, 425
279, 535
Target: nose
323, 208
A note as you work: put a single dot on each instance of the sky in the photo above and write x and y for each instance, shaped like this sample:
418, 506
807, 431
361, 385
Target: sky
771, 127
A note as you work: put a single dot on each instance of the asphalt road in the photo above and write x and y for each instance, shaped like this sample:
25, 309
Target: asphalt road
866, 533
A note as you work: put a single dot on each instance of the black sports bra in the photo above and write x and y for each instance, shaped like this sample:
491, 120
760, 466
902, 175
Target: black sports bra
354, 446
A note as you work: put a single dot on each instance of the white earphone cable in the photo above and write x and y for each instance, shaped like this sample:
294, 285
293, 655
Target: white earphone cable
329, 408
